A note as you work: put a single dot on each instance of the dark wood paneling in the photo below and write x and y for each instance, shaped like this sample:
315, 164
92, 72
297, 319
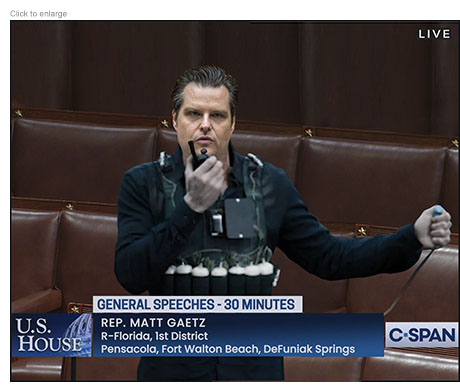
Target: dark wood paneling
264, 59
359, 75
444, 111
41, 64
131, 67
367, 75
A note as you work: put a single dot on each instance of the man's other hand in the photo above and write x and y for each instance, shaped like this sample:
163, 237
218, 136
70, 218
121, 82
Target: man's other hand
204, 185
433, 231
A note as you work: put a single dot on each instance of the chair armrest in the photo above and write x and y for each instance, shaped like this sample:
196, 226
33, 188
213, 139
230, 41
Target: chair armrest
37, 369
40, 302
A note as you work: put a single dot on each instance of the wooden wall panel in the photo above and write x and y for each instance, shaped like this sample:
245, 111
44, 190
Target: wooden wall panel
347, 75
264, 58
444, 110
41, 64
367, 76
131, 67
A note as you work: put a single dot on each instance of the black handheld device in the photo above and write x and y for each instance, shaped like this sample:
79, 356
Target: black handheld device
197, 160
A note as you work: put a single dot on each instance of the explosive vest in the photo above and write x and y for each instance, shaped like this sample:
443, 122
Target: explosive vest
226, 253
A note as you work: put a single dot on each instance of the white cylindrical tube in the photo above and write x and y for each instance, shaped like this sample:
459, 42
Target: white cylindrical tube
219, 280
266, 277
236, 279
252, 273
168, 281
183, 280
200, 280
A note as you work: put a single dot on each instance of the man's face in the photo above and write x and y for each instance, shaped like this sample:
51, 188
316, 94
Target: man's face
205, 118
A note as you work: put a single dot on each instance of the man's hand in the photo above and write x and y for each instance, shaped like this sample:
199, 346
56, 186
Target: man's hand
433, 231
204, 185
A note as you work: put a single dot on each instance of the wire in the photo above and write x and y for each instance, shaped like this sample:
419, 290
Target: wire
438, 210
407, 284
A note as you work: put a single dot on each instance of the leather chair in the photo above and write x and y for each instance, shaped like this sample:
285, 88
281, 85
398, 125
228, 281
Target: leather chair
37, 369
33, 251
85, 268
449, 190
432, 296
75, 161
361, 181
306, 369
398, 365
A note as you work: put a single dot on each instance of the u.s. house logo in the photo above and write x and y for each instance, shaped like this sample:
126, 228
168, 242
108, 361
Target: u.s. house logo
408, 334
52, 335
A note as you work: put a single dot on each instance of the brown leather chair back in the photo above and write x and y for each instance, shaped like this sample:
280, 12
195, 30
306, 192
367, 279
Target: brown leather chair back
361, 181
432, 295
33, 251
449, 191
86, 255
75, 161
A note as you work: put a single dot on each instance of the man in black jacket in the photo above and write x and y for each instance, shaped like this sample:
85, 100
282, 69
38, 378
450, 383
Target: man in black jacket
163, 212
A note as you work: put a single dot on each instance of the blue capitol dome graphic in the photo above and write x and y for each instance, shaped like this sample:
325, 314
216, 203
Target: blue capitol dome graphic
81, 328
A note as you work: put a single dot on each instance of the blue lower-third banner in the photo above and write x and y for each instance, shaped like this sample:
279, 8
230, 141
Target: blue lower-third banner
313, 335
211, 334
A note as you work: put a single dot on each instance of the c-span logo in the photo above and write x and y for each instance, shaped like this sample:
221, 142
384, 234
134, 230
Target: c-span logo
421, 334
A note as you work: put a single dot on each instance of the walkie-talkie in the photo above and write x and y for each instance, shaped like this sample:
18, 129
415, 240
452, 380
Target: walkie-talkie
197, 160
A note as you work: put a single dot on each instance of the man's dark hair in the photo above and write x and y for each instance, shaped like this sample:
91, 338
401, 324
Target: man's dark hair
205, 76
